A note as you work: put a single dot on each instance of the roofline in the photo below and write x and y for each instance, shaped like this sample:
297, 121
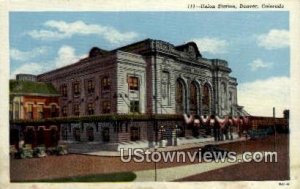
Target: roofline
35, 94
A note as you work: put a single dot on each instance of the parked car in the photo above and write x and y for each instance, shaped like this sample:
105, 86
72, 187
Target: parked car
39, 151
214, 152
24, 152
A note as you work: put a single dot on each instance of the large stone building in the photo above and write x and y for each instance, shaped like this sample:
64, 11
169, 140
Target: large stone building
148, 77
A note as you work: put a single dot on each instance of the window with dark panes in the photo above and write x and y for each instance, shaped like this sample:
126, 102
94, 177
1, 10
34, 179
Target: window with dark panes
134, 106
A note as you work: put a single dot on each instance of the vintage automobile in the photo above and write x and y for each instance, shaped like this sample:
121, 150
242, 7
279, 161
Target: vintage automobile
58, 150
24, 152
39, 151
213, 152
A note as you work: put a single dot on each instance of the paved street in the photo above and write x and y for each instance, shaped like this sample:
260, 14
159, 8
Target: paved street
76, 165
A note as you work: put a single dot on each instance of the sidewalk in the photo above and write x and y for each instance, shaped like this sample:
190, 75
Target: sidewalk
167, 148
174, 173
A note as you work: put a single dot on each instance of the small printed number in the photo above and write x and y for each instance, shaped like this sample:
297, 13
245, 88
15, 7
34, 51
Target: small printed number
283, 183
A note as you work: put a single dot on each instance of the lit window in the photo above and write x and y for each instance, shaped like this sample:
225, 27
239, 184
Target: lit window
90, 86
90, 109
53, 111
64, 111
40, 110
133, 83
76, 111
29, 111
105, 83
76, 88
106, 107
64, 90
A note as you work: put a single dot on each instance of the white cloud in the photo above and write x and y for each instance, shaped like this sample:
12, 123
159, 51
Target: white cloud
275, 39
211, 45
16, 54
260, 96
59, 30
29, 68
259, 64
66, 55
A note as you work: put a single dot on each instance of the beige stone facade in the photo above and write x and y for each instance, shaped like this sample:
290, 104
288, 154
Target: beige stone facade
150, 76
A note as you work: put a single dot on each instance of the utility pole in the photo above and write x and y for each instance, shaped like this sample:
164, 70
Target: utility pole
274, 124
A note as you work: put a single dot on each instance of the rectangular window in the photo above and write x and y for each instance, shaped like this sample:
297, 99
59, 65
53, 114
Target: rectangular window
105, 83
64, 111
90, 87
90, 108
53, 111
30, 111
40, 111
76, 111
64, 90
76, 88
106, 107
134, 106
133, 83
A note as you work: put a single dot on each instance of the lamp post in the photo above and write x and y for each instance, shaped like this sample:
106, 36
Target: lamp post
274, 125
155, 169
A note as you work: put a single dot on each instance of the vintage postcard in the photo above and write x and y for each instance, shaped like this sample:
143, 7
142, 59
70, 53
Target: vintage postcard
146, 94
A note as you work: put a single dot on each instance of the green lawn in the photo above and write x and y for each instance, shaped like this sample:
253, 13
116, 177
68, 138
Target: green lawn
111, 177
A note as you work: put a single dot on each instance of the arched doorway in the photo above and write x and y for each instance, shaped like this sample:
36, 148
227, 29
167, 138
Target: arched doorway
206, 99
105, 134
40, 136
180, 96
76, 134
14, 137
134, 133
54, 136
30, 136
90, 133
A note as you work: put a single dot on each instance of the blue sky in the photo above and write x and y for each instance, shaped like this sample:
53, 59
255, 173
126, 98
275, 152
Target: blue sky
255, 44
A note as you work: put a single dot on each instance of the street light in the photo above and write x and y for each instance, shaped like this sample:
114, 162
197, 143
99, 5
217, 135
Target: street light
155, 169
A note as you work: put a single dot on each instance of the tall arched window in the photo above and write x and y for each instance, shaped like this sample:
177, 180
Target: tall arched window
206, 99
193, 98
223, 96
165, 88
180, 95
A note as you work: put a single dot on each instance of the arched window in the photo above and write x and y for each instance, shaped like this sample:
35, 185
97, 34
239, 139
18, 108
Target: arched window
180, 96
206, 99
165, 88
193, 98
223, 96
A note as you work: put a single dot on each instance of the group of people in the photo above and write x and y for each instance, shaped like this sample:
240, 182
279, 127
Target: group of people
220, 128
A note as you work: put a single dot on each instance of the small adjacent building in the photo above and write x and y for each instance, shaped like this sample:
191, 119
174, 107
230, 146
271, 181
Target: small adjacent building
32, 100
